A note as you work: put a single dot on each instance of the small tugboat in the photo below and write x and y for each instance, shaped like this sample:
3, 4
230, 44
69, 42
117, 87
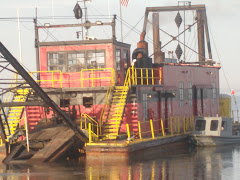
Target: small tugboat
213, 131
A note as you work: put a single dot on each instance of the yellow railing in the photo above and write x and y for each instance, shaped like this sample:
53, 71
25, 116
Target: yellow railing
57, 78
46, 74
143, 76
85, 119
106, 106
173, 129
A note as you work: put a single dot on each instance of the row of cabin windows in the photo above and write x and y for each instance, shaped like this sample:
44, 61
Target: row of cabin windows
190, 93
75, 61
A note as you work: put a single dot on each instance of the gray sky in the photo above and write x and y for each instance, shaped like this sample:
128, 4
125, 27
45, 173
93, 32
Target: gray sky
223, 20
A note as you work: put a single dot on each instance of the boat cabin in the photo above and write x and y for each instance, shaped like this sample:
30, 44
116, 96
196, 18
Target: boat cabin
213, 126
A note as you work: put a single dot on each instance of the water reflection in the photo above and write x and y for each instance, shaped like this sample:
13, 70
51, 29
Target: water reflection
199, 164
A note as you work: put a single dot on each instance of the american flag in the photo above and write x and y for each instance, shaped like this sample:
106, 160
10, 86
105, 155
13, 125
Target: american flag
124, 2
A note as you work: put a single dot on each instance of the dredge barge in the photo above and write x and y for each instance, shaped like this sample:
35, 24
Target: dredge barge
90, 96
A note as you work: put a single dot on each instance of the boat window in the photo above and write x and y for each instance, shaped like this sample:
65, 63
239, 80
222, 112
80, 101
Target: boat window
190, 96
56, 61
95, 59
87, 102
76, 61
181, 93
118, 59
200, 125
214, 125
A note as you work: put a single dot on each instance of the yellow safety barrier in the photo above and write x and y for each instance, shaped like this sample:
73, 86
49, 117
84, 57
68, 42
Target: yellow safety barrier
52, 75
151, 124
57, 76
139, 130
90, 132
143, 76
162, 128
86, 118
128, 131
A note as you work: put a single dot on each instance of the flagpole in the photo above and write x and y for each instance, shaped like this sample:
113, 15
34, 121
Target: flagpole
121, 20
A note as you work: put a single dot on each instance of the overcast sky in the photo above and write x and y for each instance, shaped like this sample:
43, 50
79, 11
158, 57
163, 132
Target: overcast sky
223, 20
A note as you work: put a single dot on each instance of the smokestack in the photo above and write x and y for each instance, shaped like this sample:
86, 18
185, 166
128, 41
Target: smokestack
159, 56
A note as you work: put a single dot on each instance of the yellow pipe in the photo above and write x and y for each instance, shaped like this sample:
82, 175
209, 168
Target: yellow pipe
139, 130
152, 78
147, 75
90, 133
132, 75
141, 77
128, 132
152, 130
162, 127
178, 125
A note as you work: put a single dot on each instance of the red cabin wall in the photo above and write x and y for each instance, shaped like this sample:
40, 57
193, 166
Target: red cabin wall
72, 79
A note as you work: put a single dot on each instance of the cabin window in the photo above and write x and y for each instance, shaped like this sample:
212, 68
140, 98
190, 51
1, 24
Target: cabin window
56, 61
77, 60
95, 59
118, 59
87, 102
125, 58
214, 125
214, 91
181, 93
200, 125
145, 107
190, 96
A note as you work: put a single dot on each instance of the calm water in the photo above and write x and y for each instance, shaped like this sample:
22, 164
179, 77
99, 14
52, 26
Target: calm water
200, 163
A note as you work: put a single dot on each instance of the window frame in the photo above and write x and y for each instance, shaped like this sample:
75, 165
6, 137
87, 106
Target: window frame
68, 66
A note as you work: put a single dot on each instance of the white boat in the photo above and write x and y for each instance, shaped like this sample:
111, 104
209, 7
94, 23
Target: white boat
213, 131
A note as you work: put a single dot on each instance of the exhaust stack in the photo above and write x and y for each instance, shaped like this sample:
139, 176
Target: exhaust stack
159, 56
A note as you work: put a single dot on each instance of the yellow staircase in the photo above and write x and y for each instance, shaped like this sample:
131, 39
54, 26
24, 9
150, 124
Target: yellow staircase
14, 113
115, 113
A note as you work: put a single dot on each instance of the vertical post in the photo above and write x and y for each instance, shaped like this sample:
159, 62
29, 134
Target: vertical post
90, 132
178, 125
151, 124
162, 127
121, 20
128, 132
26, 127
184, 126
171, 126
19, 37
141, 76
153, 78
37, 46
201, 42
133, 81
139, 130
81, 123
85, 122
175, 124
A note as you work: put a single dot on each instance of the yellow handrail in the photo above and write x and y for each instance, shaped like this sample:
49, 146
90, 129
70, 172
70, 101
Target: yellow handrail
91, 120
